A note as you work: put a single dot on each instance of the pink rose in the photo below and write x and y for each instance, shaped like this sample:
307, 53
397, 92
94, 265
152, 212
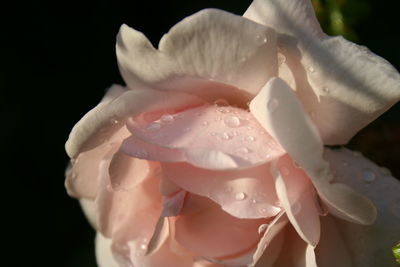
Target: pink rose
213, 155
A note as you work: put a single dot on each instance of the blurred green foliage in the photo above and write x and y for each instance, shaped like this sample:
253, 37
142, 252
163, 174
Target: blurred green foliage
396, 252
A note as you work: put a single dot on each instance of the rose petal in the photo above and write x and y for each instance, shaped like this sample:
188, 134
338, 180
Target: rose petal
205, 229
369, 245
209, 136
89, 209
106, 118
277, 108
247, 193
297, 196
344, 86
213, 48
332, 250
104, 255
297, 253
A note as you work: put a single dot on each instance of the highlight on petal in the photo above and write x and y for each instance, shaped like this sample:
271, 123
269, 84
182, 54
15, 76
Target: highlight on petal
247, 193
210, 137
205, 229
277, 108
298, 198
212, 48
342, 85
99, 124
369, 245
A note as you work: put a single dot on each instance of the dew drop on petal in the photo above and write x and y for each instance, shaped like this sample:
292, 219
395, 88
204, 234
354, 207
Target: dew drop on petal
272, 104
325, 89
221, 102
205, 123
154, 126
143, 246
262, 228
311, 69
368, 176
244, 150
114, 121
232, 121
213, 134
254, 201
249, 138
167, 118
225, 136
240, 196
74, 175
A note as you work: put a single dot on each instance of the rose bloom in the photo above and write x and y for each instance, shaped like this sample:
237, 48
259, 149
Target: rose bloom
216, 153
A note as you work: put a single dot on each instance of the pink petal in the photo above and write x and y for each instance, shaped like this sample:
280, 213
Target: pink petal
83, 178
298, 198
278, 109
99, 124
213, 48
369, 245
208, 231
209, 136
246, 193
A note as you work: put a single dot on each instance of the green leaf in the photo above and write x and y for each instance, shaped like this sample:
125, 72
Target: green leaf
396, 252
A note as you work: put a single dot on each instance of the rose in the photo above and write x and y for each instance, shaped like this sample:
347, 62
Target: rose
154, 163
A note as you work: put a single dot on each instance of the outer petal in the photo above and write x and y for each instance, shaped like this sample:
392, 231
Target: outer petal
104, 255
208, 136
247, 193
206, 45
99, 124
279, 111
297, 196
205, 229
332, 250
369, 245
343, 85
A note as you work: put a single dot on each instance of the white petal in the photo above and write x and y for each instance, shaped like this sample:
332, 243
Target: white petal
344, 86
277, 108
89, 209
106, 118
370, 246
206, 45
104, 255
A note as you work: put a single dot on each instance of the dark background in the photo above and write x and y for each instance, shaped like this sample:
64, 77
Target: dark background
56, 61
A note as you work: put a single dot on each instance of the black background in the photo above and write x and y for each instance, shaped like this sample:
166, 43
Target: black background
56, 61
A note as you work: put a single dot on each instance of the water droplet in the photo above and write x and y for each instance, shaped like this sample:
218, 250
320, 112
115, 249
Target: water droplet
154, 126
254, 201
221, 102
277, 203
114, 121
357, 154
296, 208
285, 170
396, 208
311, 69
244, 150
232, 121
205, 123
167, 118
261, 39
263, 210
325, 89
143, 246
225, 136
385, 171
368, 176
281, 59
249, 128
272, 104
235, 133
262, 228
240, 196
223, 110
213, 134
250, 138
